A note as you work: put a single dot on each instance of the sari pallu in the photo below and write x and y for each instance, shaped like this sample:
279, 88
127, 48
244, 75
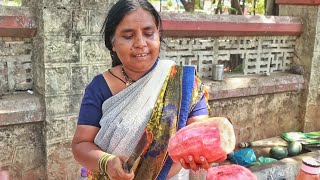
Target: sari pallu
179, 93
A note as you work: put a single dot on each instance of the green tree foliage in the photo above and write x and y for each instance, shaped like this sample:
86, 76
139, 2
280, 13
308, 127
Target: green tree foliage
11, 2
195, 5
199, 4
259, 9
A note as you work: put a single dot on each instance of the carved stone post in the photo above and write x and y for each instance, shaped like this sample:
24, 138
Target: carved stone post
307, 55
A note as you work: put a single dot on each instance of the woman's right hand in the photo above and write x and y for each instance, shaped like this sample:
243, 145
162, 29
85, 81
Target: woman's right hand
115, 170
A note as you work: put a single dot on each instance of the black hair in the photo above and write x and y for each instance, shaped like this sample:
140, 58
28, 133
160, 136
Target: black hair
115, 15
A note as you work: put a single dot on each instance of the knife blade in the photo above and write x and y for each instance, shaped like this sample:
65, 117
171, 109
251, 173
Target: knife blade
141, 147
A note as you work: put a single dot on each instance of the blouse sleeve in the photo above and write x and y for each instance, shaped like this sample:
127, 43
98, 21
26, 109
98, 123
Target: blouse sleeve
91, 107
200, 96
201, 108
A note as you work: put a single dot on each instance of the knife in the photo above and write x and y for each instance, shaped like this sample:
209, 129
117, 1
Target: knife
140, 148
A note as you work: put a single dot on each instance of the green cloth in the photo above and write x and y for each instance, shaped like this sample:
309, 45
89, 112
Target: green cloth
308, 139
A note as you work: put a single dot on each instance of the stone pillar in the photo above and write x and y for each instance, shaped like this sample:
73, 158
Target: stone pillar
68, 53
307, 55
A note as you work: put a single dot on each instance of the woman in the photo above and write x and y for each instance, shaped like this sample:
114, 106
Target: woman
138, 94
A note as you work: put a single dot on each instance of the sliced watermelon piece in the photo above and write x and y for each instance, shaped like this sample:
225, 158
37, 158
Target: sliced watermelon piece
212, 138
230, 172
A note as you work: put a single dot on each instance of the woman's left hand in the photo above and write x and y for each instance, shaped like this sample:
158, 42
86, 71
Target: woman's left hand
4, 175
191, 164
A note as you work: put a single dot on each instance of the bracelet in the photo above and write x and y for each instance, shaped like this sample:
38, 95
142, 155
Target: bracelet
103, 160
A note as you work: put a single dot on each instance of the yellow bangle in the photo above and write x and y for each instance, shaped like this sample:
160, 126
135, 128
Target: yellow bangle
106, 163
103, 160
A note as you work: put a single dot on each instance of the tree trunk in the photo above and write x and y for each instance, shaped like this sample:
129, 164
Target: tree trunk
271, 8
254, 7
219, 8
188, 6
243, 6
236, 5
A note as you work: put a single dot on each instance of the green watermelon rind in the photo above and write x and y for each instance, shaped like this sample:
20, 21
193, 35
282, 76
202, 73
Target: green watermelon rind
294, 148
278, 152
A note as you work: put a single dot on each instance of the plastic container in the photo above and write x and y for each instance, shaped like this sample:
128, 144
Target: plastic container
244, 157
84, 174
310, 169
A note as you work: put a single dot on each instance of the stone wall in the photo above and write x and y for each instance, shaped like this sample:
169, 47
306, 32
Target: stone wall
22, 141
262, 116
22, 151
308, 55
68, 54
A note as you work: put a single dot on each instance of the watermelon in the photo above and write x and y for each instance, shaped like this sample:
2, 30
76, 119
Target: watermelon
212, 138
294, 148
230, 172
278, 152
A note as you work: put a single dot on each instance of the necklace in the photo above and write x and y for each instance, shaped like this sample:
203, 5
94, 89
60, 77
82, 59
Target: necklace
129, 81
116, 76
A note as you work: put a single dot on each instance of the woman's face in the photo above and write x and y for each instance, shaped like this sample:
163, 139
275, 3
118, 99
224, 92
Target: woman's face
137, 41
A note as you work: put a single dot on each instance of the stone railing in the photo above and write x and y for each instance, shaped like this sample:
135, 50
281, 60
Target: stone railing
263, 44
258, 54
17, 27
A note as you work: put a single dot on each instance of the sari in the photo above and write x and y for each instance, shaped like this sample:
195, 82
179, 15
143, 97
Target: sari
160, 102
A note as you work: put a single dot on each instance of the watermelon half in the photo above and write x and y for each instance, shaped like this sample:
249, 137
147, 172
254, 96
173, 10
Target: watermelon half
230, 172
212, 138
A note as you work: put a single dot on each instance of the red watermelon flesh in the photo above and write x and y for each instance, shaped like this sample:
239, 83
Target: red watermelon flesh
230, 172
212, 138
